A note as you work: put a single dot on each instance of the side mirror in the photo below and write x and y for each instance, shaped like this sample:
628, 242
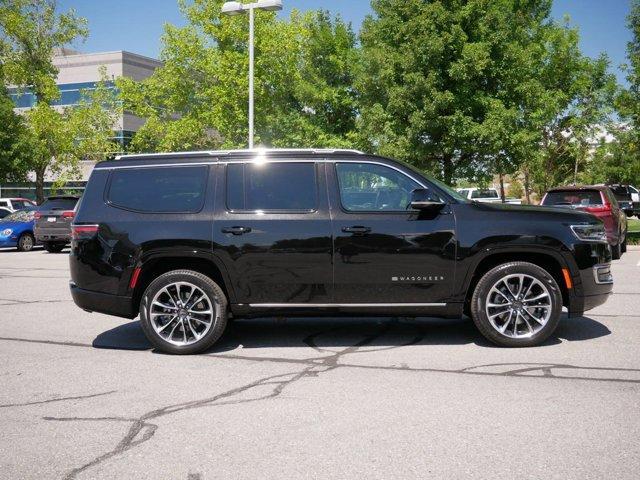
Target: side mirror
425, 199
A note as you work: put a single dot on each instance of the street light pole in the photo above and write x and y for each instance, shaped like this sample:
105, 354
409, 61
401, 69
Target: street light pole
237, 8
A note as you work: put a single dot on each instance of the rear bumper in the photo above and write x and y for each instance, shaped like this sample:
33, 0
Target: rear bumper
102, 302
52, 234
52, 237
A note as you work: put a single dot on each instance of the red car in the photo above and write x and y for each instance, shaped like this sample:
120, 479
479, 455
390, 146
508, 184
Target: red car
599, 201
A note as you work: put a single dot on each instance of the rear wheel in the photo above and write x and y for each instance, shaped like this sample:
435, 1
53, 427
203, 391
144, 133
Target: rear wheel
26, 242
517, 304
623, 246
53, 247
183, 312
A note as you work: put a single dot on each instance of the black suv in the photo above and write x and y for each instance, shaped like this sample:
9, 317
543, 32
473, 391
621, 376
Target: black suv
188, 239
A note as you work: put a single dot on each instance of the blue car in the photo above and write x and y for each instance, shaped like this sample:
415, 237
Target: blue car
16, 230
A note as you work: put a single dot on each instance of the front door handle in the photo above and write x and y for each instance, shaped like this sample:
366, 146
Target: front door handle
357, 230
236, 230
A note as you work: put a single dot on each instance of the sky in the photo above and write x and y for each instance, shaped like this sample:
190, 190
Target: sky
136, 25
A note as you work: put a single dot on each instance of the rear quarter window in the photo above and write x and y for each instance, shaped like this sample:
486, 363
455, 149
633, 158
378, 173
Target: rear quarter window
158, 190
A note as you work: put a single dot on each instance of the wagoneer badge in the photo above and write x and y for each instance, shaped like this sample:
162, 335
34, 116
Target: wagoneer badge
418, 278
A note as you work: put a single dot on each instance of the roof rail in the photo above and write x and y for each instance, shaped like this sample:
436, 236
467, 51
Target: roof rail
229, 152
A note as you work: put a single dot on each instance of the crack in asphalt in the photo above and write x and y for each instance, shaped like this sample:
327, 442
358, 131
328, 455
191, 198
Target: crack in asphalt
13, 301
142, 425
143, 428
57, 399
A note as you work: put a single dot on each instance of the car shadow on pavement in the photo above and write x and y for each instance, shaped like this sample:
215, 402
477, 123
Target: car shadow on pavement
345, 332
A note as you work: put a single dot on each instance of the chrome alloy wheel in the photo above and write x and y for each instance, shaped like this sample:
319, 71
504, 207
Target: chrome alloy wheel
182, 313
518, 306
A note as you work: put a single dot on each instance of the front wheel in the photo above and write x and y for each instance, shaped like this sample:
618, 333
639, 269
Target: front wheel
183, 312
517, 304
26, 242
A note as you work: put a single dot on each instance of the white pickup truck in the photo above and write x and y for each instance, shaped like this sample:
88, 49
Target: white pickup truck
486, 195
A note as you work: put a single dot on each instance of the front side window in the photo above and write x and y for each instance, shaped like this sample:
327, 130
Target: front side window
273, 186
367, 187
159, 190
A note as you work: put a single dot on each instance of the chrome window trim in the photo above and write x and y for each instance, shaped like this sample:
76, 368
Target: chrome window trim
330, 305
275, 160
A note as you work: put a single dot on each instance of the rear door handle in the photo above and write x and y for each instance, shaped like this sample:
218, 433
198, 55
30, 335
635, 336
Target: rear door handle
236, 230
357, 230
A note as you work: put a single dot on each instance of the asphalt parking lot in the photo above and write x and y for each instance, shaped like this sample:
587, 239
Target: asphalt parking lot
84, 396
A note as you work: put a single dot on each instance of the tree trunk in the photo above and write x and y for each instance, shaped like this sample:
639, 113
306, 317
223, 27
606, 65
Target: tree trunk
40, 185
502, 195
527, 186
447, 169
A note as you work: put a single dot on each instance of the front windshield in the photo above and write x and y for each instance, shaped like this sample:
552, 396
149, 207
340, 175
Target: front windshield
20, 216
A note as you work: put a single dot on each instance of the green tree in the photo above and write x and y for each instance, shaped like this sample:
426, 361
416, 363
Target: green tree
198, 99
30, 33
60, 138
14, 141
476, 88
619, 160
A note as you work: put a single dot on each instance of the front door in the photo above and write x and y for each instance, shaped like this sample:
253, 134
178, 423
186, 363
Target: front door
383, 251
273, 233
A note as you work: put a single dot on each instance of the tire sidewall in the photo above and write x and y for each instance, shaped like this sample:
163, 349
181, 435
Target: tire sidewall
481, 292
213, 291
21, 240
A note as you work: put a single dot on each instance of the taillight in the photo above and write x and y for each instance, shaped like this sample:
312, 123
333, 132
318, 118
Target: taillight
599, 209
83, 231
604, 208
37, 215
68, 214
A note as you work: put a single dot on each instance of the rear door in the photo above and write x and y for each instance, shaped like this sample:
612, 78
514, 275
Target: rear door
272, 231
385, 253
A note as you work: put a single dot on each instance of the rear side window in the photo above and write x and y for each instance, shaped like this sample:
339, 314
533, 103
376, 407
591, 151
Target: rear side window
159, 190
59, 204
484, 194
573, 197
277, 186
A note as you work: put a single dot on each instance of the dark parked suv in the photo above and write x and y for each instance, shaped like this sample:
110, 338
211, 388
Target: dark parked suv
188, 239
53, 222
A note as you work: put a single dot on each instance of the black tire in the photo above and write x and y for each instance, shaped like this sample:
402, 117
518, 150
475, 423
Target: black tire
481, 294
616, 252
53, 247
209, 287
26, 242
623, 246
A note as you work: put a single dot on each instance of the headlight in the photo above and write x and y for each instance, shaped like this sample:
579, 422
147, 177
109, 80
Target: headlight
6, 232
590, 233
